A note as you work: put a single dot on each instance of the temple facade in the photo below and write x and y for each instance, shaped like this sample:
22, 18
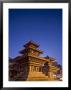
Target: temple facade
30, 66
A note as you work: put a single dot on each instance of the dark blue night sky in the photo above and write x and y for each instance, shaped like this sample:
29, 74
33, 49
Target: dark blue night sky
43, 26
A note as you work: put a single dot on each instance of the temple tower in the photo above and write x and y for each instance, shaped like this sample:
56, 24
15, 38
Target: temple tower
35, 63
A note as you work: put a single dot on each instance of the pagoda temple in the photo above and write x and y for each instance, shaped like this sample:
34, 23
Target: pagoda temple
30, 66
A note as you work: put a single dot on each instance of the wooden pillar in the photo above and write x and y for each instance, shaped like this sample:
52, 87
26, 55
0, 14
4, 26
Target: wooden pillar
30, 68
36, 69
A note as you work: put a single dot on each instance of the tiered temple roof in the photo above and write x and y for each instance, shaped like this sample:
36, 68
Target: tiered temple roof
31, 42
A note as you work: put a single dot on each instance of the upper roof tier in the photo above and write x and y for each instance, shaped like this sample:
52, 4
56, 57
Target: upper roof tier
31, 43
